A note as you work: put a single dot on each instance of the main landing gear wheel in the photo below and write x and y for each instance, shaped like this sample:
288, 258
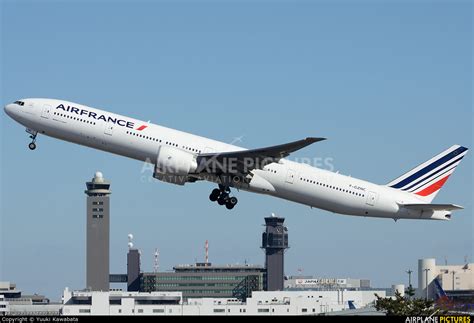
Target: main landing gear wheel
222, 197
231, 203
32, 146
215, 195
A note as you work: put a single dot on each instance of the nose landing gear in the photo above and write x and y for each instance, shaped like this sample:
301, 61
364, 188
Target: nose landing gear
222, 196
33, 134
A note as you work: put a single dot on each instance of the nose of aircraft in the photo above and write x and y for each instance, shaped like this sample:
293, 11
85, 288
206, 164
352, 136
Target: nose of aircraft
8, 109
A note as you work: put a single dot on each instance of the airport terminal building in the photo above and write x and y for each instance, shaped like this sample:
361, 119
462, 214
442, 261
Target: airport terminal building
318, 283
206, 280
261, 303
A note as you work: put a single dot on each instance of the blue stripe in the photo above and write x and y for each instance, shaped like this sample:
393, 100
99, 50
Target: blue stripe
430, 167
432, 180
439, 170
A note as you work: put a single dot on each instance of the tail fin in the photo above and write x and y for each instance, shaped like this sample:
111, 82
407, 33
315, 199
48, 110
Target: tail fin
427, 179
352, 305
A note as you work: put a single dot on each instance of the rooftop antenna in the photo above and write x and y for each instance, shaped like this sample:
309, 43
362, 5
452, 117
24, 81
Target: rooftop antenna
466, 264
130, 243
207, 252
156, 266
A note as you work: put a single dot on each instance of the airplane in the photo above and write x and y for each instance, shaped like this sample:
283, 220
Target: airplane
179, 158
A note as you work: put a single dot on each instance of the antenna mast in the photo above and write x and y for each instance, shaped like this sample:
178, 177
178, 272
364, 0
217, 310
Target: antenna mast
156, 266
207, 253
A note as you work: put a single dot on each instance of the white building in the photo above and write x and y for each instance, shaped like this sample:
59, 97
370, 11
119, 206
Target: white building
450, 278
4, 308
312, 283
167, 303
14, 303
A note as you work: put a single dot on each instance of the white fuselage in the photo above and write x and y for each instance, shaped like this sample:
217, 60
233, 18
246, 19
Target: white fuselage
292, 181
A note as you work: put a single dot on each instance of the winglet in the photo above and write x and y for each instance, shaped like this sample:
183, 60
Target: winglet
314, 139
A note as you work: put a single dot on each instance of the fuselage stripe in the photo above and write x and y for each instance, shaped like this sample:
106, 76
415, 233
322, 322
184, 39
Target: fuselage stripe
433, 188
433, 179
430, 167
430, 176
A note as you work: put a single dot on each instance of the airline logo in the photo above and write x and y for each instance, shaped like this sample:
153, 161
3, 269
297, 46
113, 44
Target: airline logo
429, 177
95, 116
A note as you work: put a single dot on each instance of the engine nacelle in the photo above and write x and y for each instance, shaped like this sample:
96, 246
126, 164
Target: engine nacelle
261, 185
174, 165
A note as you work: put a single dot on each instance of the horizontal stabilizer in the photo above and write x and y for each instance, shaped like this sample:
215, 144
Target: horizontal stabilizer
432, 207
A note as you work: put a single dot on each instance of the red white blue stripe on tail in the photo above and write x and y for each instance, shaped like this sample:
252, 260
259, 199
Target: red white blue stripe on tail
427, 179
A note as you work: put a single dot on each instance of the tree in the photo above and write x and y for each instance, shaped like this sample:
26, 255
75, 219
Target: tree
401, 306
410, 291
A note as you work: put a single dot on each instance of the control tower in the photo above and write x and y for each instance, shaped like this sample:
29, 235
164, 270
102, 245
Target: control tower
275, 242
133, 267
98, 233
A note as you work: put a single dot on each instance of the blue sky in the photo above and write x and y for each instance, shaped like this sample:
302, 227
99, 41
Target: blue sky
388, 83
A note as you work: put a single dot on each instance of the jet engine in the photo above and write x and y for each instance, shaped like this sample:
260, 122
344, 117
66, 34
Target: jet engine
174, 165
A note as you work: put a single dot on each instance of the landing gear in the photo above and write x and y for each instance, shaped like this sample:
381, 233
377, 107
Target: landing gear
223, 199
33, 134
222, 196
231, 203
215, 195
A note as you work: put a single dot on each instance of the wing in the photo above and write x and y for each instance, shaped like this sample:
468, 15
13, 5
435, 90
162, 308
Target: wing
243, 162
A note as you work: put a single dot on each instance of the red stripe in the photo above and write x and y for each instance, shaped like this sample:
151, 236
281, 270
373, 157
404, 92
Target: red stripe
142, 128
433, 188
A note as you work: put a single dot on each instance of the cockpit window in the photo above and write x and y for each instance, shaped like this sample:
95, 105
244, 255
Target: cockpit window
21, 103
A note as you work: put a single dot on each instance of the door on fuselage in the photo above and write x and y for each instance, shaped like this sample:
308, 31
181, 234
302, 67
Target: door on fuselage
371, 198
46, 113
109, 128
290, 176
